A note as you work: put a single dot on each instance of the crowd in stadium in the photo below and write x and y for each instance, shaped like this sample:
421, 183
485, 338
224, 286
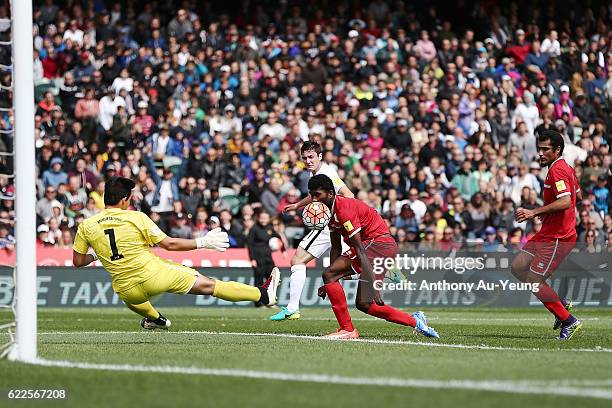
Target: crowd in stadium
430, 120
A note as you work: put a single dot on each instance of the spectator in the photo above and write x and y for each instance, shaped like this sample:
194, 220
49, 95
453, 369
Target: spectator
55, 175
181, 229
7, 241
271, 197
233, 229
551, 45
258, 244
291, 217
602, 195
180, 25
524, 141
46, 203
425, 48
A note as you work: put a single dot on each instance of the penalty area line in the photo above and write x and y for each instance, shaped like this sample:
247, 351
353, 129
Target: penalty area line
320, 338
520, 387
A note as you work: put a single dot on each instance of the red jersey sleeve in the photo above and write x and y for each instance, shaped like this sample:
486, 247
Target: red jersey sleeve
349, 219
562, 182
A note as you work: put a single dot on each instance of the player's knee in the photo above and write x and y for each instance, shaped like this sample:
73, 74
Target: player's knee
362, 305
328, 275
203, 286
534, 278
519, 269
295, 260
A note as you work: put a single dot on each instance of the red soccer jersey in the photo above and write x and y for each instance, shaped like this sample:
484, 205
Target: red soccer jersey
560, 181
351, 216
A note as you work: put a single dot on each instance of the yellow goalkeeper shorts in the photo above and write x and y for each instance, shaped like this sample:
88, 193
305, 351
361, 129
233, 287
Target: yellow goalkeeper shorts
168, 277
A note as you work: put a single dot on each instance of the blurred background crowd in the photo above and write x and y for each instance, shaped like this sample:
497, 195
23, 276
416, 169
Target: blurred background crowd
430, 112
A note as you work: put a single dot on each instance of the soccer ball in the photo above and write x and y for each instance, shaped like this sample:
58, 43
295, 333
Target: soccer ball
316, 216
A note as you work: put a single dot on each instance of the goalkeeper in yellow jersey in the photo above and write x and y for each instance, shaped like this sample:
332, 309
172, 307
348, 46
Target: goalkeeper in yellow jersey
121, 239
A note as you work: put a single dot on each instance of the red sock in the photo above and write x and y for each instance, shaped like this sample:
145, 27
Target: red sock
551, 301
391, 314
336, 295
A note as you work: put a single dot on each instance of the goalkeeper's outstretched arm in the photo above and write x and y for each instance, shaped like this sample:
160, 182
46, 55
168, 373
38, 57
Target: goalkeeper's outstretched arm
216, 239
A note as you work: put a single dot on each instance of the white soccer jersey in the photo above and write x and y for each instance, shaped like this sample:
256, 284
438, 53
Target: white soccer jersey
330, 172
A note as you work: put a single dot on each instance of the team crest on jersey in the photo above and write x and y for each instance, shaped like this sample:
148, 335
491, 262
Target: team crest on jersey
348, 226
560, 185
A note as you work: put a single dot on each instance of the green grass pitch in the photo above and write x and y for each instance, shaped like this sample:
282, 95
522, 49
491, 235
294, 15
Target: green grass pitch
483, 358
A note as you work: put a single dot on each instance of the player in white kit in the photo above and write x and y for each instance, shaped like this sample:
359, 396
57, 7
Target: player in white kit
315, 243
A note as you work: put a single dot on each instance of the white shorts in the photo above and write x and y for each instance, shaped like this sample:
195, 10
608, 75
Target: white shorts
318, 242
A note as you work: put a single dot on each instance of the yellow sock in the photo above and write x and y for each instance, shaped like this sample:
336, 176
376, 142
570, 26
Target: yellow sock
236, 291
145, 309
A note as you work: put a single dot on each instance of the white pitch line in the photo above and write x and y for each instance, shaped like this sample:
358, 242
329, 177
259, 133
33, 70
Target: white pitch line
365, 319
520, 387
373, 341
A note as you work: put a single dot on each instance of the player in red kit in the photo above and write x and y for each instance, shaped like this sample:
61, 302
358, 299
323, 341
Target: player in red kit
369, 238
545, 251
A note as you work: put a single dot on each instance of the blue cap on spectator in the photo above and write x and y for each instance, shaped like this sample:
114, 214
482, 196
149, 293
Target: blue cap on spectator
56, 160
490, 231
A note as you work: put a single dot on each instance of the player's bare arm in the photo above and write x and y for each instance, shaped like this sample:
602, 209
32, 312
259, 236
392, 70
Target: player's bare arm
345, 192
336, 246
80, 260
216, 239
296, 206
560, 204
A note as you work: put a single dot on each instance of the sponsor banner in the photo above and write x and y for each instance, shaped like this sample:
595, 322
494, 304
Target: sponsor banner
426, 280
234, 257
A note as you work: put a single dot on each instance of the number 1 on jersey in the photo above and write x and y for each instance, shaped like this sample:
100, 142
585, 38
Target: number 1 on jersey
111, 237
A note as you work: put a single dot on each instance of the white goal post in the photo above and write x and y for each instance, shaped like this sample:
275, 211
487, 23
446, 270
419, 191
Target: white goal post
24, 348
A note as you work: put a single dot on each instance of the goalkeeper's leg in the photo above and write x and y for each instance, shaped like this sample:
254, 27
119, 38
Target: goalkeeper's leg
236, 291
145, 309
137, 300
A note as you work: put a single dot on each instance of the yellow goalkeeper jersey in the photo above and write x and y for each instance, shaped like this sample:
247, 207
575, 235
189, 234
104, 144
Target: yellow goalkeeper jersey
121, 239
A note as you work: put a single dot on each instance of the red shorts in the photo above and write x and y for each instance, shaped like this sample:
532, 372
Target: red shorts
376, 250
548, 253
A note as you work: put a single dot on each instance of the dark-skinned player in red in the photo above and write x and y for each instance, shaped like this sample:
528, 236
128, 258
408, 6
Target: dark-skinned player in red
367, 235
545, 251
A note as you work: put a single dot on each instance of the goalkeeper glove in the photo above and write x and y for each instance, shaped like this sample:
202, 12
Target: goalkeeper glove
215, 239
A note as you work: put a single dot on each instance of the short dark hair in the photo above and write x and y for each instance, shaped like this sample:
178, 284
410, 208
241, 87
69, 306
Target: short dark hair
308, 145
321, 182
116, 189
556, 139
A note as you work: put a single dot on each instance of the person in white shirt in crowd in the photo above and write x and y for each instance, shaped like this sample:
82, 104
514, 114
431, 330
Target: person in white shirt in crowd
108, 108
522, 180
527, 111
272, 128
73, 33
551, 44
123, 81
228, 124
